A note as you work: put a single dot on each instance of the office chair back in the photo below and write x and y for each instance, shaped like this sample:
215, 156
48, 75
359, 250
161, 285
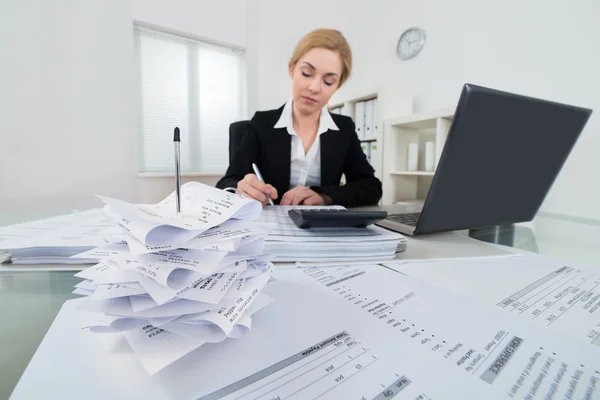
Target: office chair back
236, 133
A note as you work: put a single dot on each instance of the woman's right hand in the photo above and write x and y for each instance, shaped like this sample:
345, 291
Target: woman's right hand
253, 188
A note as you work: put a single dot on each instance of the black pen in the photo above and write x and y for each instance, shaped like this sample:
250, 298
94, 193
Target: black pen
176, 142
259, 176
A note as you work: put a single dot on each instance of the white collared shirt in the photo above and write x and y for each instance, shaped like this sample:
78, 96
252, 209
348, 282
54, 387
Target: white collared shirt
305, 169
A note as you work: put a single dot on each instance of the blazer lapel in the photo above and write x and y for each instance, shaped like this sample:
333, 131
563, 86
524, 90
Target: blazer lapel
328, 144
279, 154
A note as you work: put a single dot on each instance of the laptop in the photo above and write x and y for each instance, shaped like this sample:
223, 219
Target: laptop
502, 155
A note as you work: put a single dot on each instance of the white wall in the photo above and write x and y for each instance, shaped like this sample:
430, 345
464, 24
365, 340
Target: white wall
66, 105
222, 21
541, 48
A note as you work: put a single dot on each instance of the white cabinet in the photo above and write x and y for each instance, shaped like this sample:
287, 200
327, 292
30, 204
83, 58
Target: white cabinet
401, 183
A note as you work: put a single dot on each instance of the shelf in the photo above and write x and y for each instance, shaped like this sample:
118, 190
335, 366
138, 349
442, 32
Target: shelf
414, 173
427, 120
364, 97
391, 101
401, 133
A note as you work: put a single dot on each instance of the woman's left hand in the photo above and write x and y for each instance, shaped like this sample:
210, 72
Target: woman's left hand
301, 195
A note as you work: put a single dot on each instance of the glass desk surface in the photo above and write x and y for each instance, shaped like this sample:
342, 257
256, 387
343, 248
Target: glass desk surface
29, 301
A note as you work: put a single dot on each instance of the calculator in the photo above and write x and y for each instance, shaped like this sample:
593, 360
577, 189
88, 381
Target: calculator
334, 218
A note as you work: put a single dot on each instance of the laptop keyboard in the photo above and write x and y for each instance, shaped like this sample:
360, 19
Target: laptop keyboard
410, 219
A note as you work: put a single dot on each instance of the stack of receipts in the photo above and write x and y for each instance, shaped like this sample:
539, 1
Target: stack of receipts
173, 282
55, 240
286, 242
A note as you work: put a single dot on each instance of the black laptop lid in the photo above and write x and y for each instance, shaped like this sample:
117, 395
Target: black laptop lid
502, 154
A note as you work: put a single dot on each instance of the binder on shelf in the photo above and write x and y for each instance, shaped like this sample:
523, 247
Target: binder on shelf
376, 128
412, 157
369, 126
359, 119
429, 156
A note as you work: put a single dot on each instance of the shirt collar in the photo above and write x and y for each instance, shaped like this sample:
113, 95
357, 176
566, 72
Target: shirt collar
285, 120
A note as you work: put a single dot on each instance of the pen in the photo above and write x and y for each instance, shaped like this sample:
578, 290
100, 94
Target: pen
258, 174
176, 142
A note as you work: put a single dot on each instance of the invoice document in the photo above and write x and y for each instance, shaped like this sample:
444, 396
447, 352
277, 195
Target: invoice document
559, 296
288, 243
353, 332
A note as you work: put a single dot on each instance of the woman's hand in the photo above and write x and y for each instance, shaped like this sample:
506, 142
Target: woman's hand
253, 188
301, 195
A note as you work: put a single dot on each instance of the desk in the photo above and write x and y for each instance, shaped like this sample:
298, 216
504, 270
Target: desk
29, 301
562, 241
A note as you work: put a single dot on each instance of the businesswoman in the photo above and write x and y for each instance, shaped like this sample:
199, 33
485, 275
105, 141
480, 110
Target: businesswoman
301, 149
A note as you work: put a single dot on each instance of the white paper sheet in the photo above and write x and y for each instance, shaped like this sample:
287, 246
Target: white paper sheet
122, 307
107, 272
250, 246
236, 266
288, 243
116, 324
87, 285
255, 268
81, 229
162, 274
511, 356
287, 231
203, 325
113, 290
141, 303
206, 261
159, 347
202, 206
220, 237
83, 292
561, 297
216, 325
211, 289
204, 309
329, 335
54, 240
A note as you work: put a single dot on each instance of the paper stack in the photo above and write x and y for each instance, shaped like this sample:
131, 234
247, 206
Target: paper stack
4, 256
286, 242
175, 282
55, 240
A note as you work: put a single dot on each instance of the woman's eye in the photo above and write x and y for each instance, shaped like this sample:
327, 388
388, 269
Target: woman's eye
328, 83
305, 74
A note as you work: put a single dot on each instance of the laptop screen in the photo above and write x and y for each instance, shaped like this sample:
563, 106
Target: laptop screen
502, 155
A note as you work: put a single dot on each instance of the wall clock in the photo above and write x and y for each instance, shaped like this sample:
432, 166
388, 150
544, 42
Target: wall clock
411, 43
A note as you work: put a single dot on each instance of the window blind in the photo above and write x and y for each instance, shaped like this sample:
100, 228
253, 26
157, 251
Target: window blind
197, 86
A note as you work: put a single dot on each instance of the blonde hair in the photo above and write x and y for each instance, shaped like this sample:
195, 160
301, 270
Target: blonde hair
329, 39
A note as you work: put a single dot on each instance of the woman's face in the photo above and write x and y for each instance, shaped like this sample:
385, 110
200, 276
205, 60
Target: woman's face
315, 78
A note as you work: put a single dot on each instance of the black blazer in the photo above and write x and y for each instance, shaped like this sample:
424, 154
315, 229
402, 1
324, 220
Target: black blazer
341, 153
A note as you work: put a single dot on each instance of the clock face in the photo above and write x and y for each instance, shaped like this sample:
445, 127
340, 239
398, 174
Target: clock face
410, 43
